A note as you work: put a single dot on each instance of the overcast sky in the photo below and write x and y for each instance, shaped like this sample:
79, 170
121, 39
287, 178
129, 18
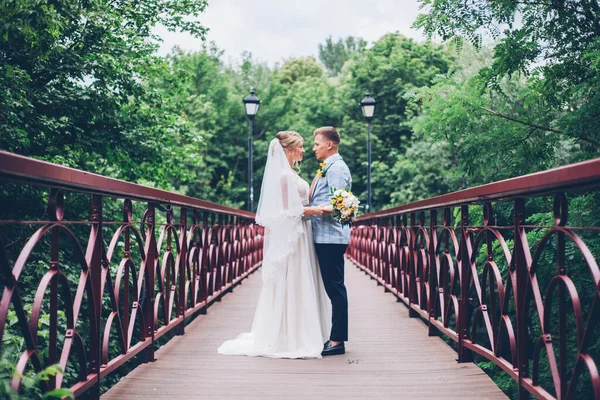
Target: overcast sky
275, 30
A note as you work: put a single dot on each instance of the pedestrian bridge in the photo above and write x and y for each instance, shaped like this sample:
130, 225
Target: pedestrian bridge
389, 355
131, 290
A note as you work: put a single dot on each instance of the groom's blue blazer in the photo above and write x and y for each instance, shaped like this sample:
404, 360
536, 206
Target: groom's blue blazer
326, 229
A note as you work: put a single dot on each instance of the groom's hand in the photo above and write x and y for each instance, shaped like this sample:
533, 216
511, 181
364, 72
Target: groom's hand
324, 210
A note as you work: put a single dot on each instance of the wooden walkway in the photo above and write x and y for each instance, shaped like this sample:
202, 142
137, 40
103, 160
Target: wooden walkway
389, 355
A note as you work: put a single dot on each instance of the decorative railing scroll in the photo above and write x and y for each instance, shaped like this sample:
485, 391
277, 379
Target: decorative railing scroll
500, 270
93, 292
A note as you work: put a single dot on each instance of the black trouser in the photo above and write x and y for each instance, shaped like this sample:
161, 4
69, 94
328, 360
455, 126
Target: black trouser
331, 262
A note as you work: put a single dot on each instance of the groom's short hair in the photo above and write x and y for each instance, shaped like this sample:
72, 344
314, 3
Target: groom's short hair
329, 133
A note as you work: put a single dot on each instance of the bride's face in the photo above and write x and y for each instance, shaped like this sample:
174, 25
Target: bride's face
298, 152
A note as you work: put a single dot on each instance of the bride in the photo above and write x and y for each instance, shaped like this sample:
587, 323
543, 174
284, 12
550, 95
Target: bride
292, 318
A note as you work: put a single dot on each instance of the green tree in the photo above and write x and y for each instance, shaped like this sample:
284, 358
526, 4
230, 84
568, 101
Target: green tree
78, 86
300, 97
556, 43
297, 69
393, 66
335, 54
483, 146
212, 103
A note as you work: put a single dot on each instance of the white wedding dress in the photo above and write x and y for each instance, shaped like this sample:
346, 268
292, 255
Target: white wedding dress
293, 317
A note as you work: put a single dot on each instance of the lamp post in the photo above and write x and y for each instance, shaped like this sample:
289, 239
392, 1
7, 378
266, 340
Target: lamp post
368, 108
251, 102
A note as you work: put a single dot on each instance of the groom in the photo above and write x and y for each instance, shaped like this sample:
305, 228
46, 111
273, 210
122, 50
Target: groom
330, 237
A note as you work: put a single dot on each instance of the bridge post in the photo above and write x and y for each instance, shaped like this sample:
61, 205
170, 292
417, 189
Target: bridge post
217, 225
433, 268
94, 258
520, 267
204, 264
464, 354
378, 271
149, 269
182, 263
413, 276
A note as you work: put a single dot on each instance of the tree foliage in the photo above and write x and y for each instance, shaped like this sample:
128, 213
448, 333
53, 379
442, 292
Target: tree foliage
334, 55
555, 43
78, 86
390, 68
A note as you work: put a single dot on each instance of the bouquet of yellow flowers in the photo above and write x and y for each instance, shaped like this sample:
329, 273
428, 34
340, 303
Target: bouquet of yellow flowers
344, 206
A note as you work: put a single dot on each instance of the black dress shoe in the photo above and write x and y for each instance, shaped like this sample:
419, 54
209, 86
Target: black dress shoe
327, 343
331, 350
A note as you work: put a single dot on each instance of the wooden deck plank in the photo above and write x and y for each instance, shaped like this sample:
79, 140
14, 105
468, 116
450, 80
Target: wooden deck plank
389, 355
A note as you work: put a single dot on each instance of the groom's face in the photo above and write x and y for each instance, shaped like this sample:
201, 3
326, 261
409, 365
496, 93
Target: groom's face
322, 147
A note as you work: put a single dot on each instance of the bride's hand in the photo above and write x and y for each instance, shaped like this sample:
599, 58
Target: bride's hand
316, 211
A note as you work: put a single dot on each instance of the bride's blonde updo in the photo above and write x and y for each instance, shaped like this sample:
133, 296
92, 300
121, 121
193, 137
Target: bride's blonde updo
289, 140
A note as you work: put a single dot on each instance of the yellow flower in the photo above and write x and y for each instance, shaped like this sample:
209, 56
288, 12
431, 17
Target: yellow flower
319, 174
323, 165
332, 201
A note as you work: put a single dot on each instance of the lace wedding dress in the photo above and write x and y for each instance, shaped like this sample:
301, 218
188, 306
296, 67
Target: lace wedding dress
292, 318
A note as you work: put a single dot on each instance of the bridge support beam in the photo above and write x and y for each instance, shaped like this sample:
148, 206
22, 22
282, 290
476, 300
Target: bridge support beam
464, 354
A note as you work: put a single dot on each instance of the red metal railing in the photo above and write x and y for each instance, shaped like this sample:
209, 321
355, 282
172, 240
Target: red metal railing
123, 287
492, 288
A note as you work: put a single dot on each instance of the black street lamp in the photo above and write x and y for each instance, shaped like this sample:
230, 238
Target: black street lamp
368, 108
251, 102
